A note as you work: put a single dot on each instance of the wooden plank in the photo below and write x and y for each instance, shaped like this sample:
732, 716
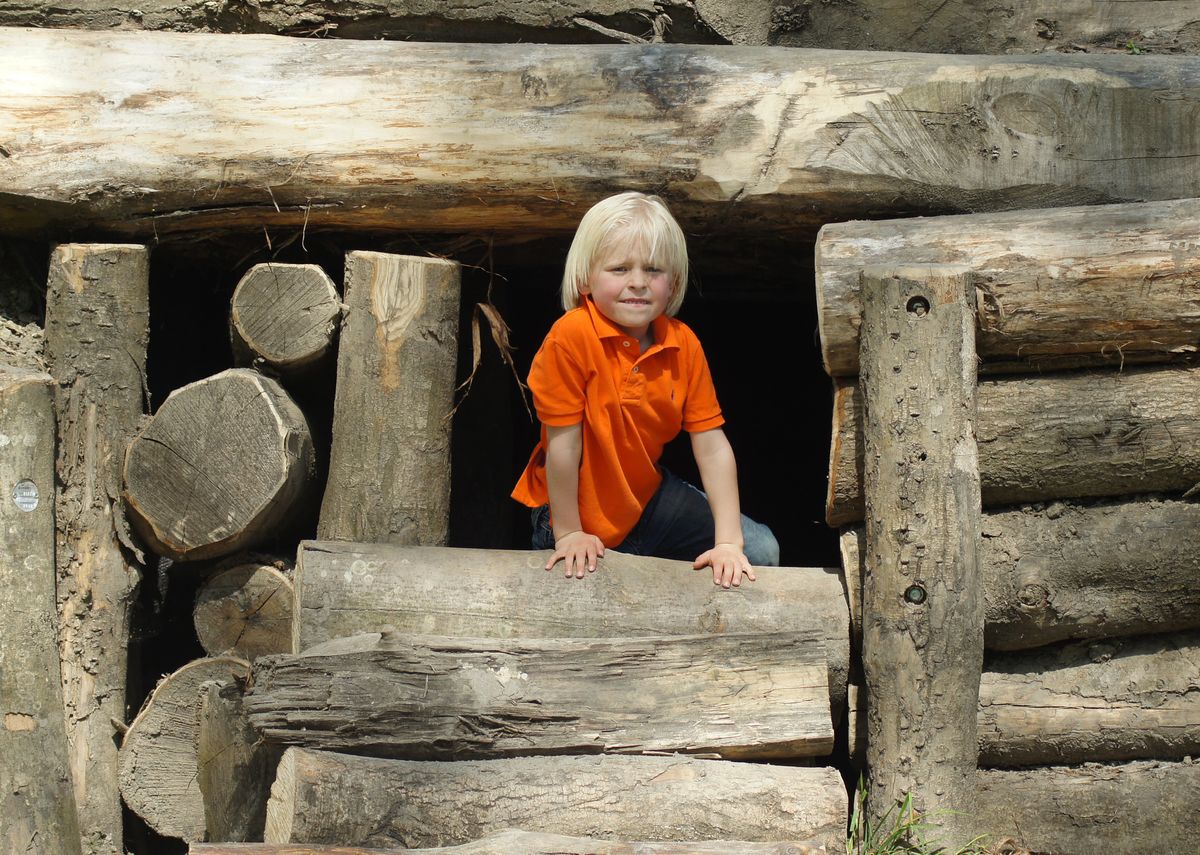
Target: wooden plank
922, 646
190, 132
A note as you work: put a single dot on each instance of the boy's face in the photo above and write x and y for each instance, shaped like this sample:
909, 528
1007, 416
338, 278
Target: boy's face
628, 288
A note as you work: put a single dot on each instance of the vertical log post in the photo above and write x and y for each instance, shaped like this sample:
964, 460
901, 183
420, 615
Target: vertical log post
97, 327
37, 807
923, 609
389, 467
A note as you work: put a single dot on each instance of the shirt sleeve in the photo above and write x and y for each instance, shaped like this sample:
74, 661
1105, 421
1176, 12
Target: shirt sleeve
558, 384
701, 411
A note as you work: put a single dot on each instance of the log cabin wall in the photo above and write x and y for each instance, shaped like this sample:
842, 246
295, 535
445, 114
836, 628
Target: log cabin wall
755, 271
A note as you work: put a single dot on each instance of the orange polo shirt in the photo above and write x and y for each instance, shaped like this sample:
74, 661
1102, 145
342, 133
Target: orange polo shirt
631, 404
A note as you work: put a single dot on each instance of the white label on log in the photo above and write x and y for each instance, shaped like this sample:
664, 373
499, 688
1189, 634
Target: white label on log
25, 494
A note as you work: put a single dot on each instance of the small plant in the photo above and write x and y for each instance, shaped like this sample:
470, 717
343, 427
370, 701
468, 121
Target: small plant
1134, 48
901, 831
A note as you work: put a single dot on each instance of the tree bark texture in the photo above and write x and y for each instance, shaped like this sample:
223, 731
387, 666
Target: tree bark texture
923, 614
1102, 285
322, 797
159, 769
742, 696
223, 463
36, 799
1018, 26
286, 315
245, 610
1065, 570
512, 841
1133, 807
97, 329
1073, 435
1124, 699
345, 589
234, 767
192, 132
389, 468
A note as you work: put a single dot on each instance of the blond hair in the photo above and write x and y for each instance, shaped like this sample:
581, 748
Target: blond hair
626, 219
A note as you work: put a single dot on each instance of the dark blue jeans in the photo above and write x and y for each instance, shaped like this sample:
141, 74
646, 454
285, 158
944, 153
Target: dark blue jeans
678, 523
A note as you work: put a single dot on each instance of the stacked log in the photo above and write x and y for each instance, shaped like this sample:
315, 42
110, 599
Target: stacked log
245, 609
285, 317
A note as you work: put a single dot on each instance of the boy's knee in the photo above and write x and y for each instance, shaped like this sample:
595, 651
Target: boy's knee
762, 549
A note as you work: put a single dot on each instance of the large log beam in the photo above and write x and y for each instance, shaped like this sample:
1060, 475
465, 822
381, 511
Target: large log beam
1108, 285
349, 588
1068, 570
744, 696
1074, 435
189, 132
322, 797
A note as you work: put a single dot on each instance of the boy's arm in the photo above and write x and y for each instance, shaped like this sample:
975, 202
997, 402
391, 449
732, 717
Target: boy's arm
572, 545
718, 473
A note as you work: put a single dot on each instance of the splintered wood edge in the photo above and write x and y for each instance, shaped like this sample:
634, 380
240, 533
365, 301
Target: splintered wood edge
280, 810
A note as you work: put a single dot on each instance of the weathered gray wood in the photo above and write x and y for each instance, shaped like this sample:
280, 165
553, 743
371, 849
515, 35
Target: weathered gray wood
234, 767
97, 328
389, 468
1102, 285
159, 769
322, 797
36, 799
285, 315
344, 589
1132, 807
521, 138
245, 610
741, 696
1066, 570
222, 463
1123, 699
922, 647
1075, 435
515, 842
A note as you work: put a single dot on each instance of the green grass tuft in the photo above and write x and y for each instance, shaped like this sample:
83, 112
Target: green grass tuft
901, 831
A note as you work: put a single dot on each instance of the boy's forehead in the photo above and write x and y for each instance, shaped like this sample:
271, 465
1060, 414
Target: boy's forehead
622, 244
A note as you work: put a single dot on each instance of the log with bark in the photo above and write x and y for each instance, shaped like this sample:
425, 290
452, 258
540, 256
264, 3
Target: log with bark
1102, 285
348, 588
159, 771
740, 696
220, 467
36, 798
1067, 570
245, 609
1121, 699
522, 138
389, 465
97, 329
322, 797
1145, 806
235, 768
1073, 435
285, 316
513, 841
923, 614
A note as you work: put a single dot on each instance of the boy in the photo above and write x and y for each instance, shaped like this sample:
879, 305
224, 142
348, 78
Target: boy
616, 378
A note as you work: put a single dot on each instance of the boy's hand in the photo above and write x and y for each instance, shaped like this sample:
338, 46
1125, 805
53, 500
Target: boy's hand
579, 551
729, 564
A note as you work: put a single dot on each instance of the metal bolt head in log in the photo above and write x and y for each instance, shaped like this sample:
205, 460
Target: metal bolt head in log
286, 315
219, 467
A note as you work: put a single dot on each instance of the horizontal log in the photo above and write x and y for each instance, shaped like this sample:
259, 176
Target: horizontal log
1070, 570
515, 842
1122, 699
349, 588
1091, 434
196, 132
284, 316
322, 797
740, 696
1101, 285
1132, 807
245, 609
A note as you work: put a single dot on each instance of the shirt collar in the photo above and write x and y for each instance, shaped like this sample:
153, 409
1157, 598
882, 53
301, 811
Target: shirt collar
664, 331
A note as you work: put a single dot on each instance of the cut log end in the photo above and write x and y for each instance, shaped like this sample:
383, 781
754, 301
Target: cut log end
281, 807
245, 610
284, 314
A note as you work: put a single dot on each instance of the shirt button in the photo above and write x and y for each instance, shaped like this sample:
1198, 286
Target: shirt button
626, 342
637, 369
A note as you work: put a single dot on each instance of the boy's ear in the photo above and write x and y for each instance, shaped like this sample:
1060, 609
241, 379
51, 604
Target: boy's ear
584, 289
